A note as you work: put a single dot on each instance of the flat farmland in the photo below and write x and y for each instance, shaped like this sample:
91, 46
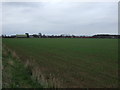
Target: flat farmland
69, 62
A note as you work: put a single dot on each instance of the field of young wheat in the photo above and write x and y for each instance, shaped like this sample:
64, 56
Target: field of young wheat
68, 62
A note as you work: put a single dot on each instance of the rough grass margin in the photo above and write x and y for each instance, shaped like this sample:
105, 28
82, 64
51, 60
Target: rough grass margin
47, 81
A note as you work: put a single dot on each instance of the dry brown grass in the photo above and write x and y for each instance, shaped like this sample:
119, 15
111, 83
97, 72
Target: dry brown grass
47, 80
37, 72
10, 62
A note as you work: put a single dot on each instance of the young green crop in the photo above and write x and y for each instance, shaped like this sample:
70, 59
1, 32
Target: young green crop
73, 62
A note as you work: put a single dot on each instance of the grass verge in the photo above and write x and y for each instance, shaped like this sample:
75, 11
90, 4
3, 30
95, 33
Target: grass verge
15, 75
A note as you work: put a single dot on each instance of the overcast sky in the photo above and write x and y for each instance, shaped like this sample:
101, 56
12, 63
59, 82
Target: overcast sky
76, 18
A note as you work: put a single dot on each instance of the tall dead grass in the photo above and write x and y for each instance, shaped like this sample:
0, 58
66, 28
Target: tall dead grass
46, 80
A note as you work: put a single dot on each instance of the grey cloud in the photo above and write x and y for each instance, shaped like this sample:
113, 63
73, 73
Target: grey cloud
0, 18
56, 18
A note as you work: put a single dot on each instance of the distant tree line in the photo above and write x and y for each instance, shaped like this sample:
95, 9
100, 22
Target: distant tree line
39, 35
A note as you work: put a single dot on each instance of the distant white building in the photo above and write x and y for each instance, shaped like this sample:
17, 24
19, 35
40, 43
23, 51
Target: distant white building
31, 36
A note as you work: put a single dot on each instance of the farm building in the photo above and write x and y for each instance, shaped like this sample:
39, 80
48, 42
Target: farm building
21, 36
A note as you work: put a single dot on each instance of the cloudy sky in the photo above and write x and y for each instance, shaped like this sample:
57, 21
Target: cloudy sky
78, 18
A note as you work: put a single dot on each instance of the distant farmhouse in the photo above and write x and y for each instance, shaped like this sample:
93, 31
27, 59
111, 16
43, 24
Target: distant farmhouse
21, 36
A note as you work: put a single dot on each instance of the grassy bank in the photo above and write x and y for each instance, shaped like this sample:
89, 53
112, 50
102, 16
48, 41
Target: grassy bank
14, 74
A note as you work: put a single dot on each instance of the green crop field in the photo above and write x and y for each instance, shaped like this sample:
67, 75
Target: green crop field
65, 62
